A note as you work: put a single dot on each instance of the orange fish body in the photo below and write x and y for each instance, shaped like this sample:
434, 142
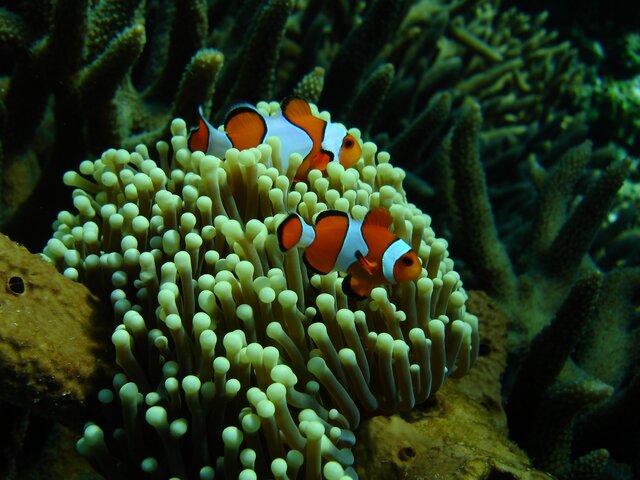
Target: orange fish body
319, 142
364, 249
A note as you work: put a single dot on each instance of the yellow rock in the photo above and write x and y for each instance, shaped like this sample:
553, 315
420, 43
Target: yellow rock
53, 337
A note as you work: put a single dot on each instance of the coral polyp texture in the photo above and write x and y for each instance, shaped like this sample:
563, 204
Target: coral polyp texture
236, 361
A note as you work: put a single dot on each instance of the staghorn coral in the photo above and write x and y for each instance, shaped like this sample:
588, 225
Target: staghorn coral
607, 40
84, 73
551, 292
615, 245
127, 67
232, 359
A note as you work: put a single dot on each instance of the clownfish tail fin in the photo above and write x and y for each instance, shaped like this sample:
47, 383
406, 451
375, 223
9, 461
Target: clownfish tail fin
294, 232
199, 136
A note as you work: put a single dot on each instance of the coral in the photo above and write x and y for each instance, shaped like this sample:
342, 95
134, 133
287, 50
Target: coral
473, 214
90, 59
615, 244
550, 292
450, 440
310, 87
542, 394
614, 422
360, 49
127, 67
228, 350
612, 342
607, 40
556, 203
612, 329
614, 106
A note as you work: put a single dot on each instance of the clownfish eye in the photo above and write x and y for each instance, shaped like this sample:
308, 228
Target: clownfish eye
350, 151
406, 261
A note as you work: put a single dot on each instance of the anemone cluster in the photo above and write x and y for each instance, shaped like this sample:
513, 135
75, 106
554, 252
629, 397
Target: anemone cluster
234, 359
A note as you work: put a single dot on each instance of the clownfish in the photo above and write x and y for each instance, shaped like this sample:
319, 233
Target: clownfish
319, 142
365, 249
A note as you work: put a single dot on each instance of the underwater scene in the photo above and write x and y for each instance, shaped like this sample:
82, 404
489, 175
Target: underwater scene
319, 239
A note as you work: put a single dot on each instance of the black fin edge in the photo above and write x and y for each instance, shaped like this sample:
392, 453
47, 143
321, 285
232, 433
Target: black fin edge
243, 108
279, 232
346, 288
311, 267
326, 213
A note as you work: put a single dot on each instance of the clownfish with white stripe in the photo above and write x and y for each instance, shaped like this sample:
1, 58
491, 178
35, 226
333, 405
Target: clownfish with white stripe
319, 142
365, 249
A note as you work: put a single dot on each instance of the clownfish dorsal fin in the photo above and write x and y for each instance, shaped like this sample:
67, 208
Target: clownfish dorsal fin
298, 112
329, 214
199, 136
378, 216
245, 127
366, 264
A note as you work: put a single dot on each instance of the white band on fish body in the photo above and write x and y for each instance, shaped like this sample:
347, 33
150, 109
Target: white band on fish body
334, 133
308, 234
219, 143
353, 242
391, 256
293, 139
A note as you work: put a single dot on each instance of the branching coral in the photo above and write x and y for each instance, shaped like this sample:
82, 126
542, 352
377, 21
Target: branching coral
547, 399
93, 59
232, 359
123, 69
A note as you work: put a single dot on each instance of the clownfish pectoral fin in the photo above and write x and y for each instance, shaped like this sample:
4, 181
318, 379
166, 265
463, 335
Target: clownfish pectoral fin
298, 112
355, 289
245, 127
289, 232
321, 160
199, 136
366, 264
378, 216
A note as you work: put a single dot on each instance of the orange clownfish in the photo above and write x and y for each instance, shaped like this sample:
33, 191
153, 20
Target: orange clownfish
319, 142
364, 249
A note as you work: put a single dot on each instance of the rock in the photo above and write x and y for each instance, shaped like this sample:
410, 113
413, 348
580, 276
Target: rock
54, 338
